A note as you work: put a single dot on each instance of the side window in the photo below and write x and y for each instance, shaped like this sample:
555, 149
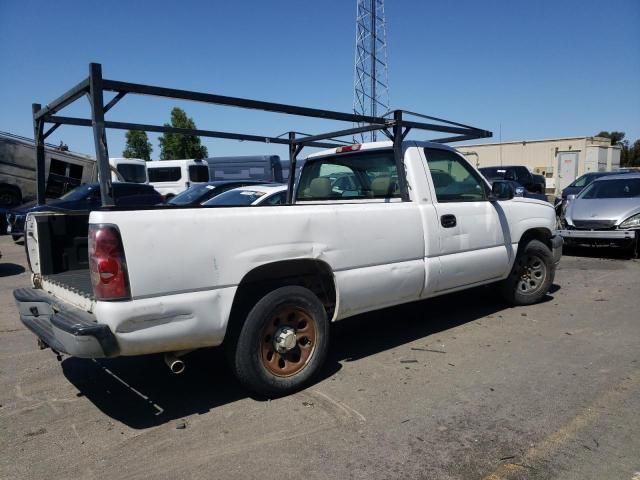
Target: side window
521, 176
199, 173
453, 178
364, 175
164, 174
277, 199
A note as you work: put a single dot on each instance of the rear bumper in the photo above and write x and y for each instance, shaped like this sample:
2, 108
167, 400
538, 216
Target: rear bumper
613, 235
62, 327
556, 248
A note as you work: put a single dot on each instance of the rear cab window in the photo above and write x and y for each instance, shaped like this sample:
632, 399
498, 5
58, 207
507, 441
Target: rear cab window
366, 175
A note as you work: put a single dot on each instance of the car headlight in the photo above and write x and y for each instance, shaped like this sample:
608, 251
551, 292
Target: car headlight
631, 222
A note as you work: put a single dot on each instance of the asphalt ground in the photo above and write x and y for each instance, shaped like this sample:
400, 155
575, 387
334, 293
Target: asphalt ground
458, 387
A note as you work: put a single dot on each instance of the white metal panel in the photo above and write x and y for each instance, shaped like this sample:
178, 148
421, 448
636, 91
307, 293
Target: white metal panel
480, 226
161, 245
386, 285
168, 323
567, 168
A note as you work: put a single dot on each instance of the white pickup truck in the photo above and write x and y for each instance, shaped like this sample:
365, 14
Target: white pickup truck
265, 282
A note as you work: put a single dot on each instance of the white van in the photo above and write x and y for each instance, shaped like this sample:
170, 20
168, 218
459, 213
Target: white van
171, 177
269, 168
128, 170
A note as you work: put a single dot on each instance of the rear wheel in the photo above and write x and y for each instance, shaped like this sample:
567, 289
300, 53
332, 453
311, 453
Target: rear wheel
9, 197
282, 344
531, 276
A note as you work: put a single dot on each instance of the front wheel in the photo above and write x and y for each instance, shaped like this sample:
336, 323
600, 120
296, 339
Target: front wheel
282, 344
531, 276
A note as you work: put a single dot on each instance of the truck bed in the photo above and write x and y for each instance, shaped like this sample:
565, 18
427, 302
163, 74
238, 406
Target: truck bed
77, 281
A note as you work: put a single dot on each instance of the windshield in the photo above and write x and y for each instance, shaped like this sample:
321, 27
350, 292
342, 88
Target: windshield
619, 188
193, 194
79, 193
236, 197
132, 172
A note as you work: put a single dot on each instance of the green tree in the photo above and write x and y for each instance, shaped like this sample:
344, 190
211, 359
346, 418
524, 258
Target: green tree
175, 146
633, 155
614, 136
138, 145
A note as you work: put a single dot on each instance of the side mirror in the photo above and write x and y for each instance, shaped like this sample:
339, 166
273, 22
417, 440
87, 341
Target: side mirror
502, 190
570, 197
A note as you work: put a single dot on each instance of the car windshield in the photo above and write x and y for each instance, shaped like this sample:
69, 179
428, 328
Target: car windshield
236, 197
78, 193
618, 188
192, 194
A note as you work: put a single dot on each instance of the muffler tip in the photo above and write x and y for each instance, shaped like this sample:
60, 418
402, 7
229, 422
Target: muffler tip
176, 365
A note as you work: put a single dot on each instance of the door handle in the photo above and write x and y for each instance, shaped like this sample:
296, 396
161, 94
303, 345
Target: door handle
448, 221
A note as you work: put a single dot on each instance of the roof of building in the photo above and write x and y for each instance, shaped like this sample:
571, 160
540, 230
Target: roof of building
559, 139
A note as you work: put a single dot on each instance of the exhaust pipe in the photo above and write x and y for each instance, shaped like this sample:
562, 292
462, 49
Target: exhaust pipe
176, 365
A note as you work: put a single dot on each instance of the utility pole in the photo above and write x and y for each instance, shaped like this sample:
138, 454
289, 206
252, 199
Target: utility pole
371, 82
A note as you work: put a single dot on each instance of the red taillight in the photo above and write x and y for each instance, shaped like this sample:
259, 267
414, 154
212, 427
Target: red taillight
107, 263
349, 148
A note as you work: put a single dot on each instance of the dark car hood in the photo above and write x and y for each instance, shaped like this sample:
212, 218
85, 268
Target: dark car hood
52, 205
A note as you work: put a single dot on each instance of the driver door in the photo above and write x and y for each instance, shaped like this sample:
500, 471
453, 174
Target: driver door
472, 230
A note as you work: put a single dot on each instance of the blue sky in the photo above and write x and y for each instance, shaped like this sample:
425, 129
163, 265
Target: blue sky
549, 68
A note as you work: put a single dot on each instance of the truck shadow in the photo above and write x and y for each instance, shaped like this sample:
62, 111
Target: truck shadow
610, 253
9, 269
141, 392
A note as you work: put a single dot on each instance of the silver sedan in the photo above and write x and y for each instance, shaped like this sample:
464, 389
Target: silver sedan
606, 212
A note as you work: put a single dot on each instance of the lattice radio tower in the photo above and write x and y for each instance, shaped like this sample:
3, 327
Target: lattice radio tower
371, 90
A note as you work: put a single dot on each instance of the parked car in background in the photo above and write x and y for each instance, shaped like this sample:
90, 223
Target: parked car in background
518, 173
520, 191
253, 195
171, 177
582, 181
198, 194
606, 212
84, 198
3, 220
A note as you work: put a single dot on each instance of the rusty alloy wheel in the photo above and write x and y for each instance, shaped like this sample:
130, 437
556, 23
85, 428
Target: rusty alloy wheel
288, 341
533, 273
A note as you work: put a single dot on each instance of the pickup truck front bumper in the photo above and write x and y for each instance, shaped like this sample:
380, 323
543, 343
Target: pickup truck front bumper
64, 328
556, 248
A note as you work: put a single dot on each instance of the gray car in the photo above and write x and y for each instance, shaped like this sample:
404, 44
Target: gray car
606, 212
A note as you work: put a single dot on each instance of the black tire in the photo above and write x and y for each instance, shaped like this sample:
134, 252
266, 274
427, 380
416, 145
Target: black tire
274, 316
16, 237
531, 276
9, 197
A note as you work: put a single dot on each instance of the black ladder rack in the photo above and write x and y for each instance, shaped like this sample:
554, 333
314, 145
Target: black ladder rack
396, 127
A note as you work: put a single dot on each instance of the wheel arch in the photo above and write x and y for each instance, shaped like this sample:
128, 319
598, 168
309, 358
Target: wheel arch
12, 188
316, 275
541, 234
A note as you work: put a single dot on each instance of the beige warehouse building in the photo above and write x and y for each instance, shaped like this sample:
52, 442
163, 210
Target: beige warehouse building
560, 160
